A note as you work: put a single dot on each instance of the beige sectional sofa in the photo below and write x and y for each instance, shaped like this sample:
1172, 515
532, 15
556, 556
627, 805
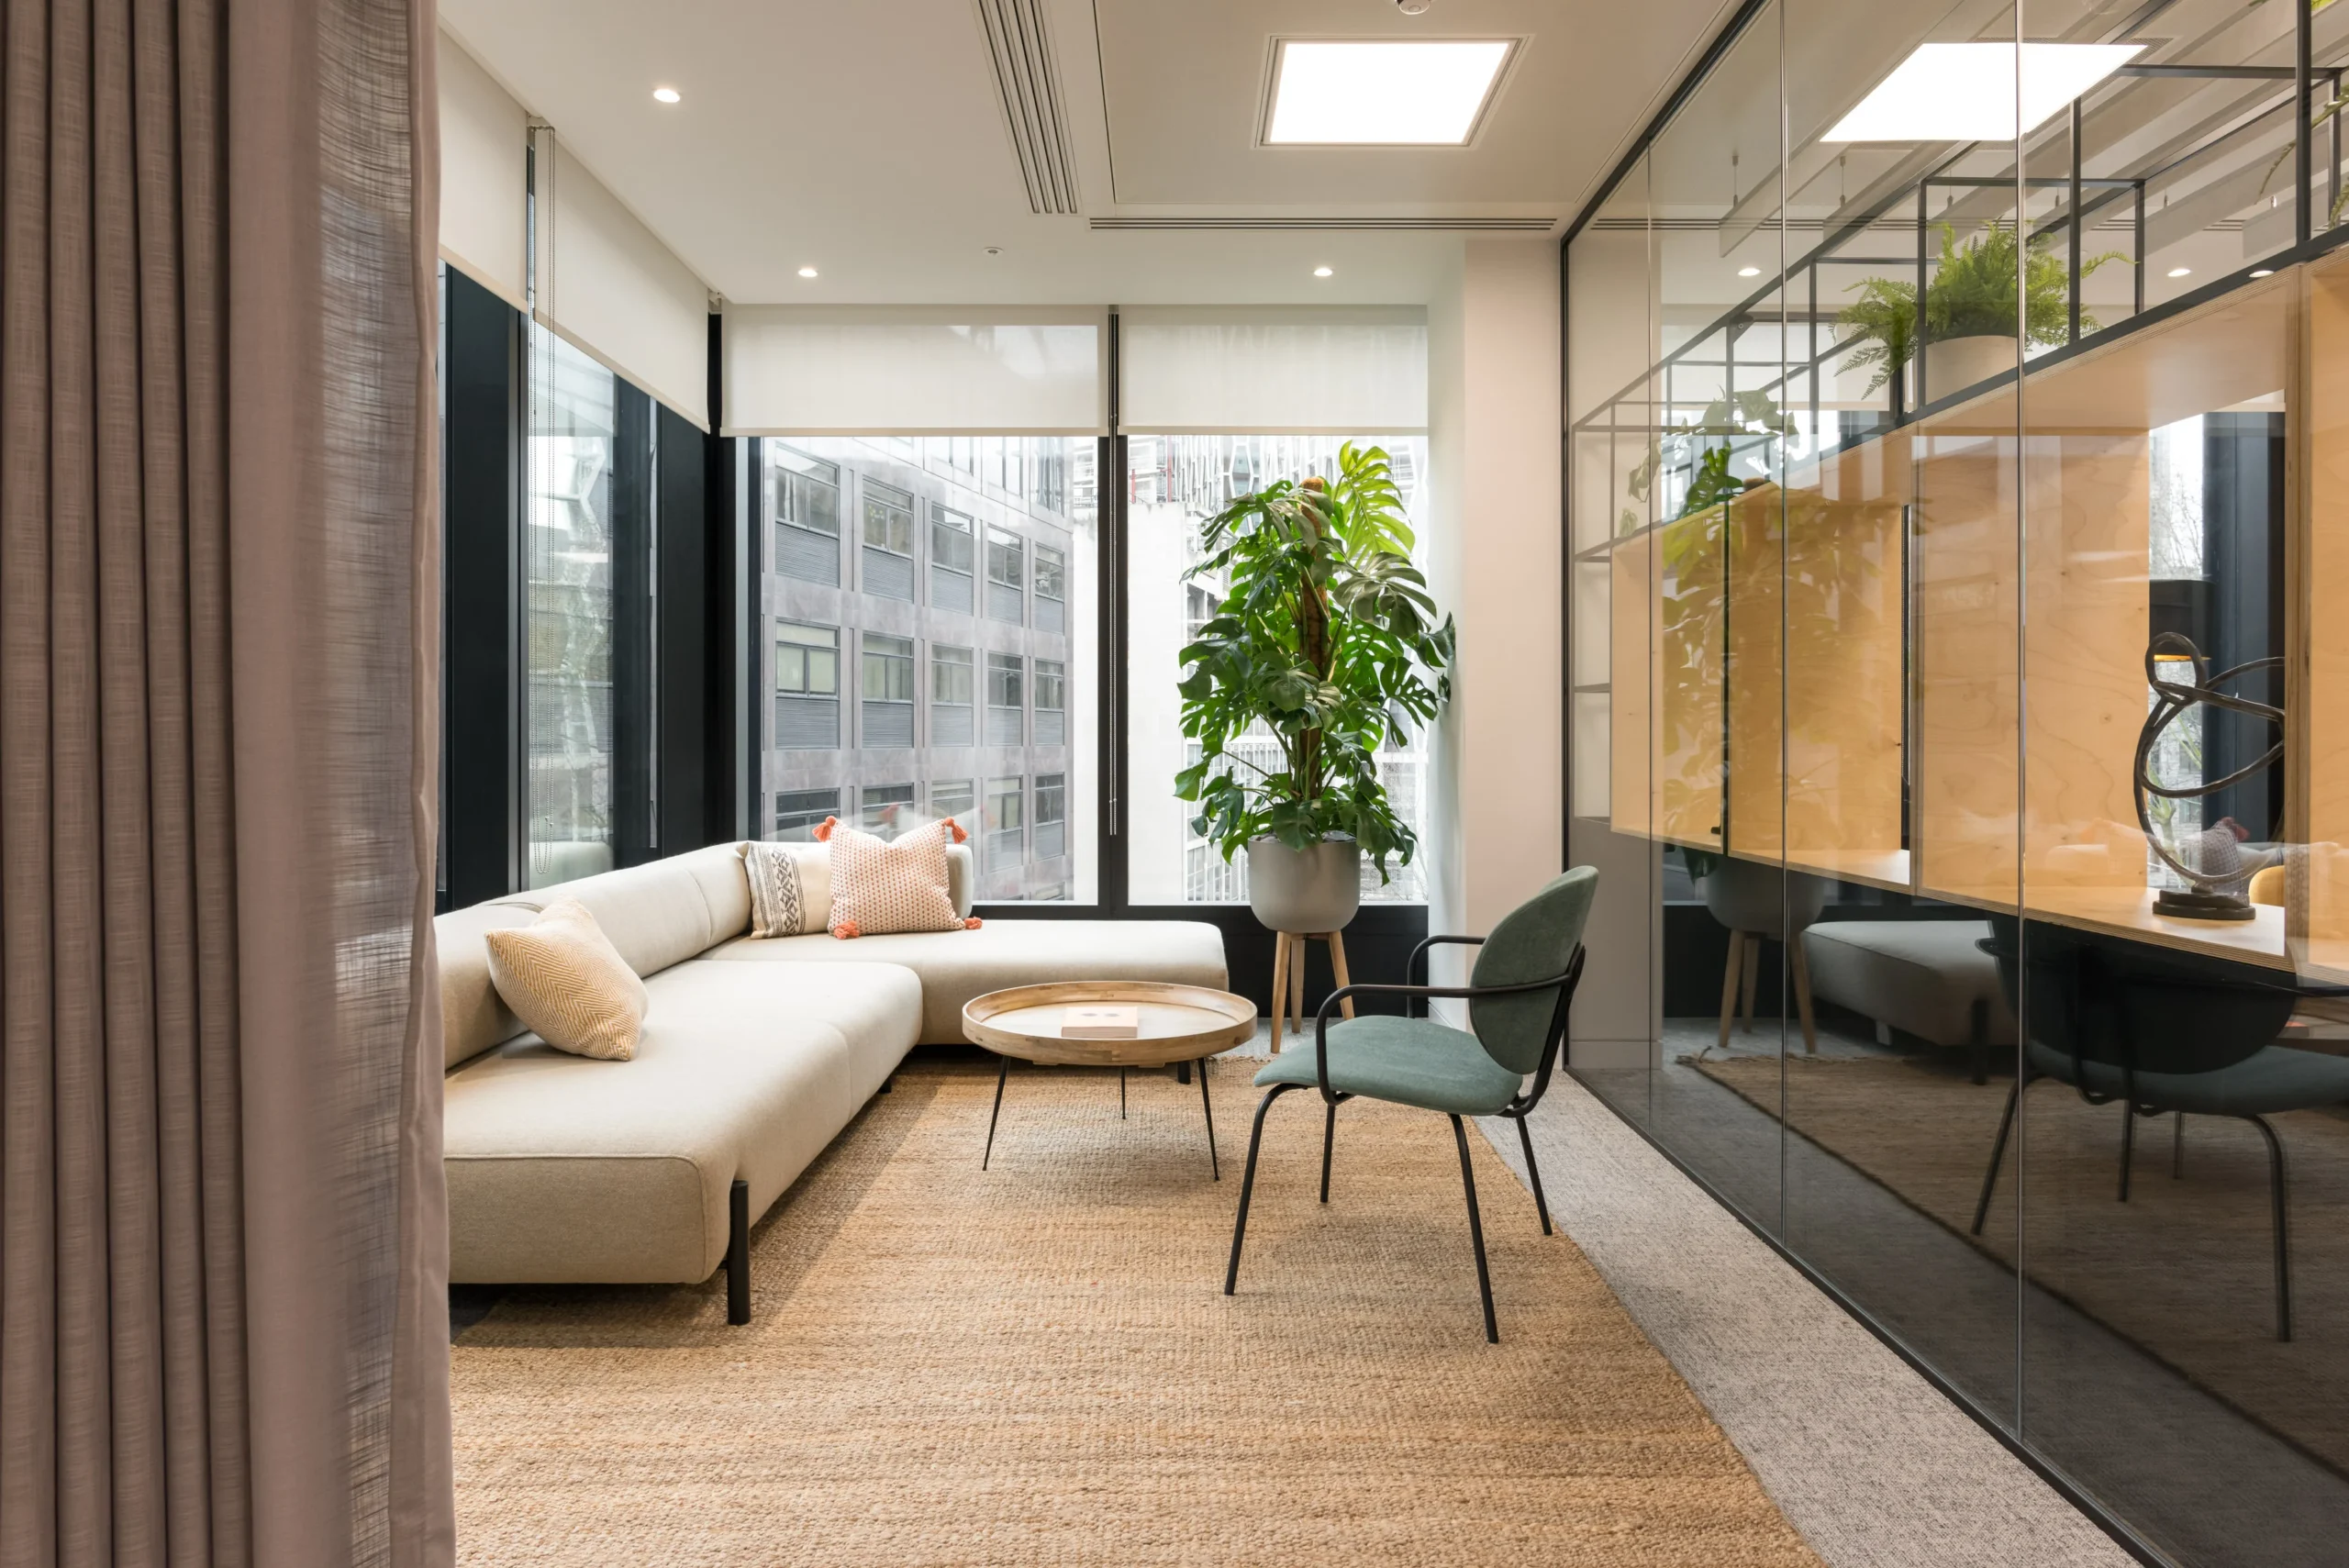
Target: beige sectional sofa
754, 1054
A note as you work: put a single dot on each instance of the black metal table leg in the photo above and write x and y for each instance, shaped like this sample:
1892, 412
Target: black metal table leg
1122, 1094
1002, 1071
1213, 1167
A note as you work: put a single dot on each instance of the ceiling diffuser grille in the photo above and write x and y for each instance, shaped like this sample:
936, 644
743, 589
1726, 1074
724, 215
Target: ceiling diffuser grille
1030, 92
1421, 225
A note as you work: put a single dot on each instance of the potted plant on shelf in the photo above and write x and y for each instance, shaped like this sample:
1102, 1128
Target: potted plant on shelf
1326, 647
1969, 312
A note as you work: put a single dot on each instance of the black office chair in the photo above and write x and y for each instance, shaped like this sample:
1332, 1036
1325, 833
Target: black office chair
2160, 1033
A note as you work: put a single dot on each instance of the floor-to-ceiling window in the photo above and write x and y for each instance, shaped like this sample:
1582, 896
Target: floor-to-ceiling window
1951, 625
568, 544
1175, 482
947, 582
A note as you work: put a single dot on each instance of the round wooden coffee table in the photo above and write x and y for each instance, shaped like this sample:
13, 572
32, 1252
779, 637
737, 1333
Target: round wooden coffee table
1177, 1024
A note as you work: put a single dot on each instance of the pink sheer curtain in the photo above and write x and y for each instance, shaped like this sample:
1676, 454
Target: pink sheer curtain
223, 1331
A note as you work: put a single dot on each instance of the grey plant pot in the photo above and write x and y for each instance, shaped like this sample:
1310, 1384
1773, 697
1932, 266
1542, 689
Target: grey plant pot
1312, 889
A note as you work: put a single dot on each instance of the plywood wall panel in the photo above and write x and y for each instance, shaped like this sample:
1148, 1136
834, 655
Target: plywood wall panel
1968, 697
2087, 511
2317, 669
1845, 740
1691, 612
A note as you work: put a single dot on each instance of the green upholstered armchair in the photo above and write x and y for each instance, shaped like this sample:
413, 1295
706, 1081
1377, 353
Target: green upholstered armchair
1517, 996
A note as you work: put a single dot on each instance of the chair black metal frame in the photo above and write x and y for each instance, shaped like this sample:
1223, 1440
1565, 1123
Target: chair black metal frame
1517, 1110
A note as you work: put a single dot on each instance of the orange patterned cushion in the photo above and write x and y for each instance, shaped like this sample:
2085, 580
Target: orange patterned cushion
879, 887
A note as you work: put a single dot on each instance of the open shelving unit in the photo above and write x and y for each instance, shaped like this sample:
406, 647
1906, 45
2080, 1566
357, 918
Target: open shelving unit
1917, 662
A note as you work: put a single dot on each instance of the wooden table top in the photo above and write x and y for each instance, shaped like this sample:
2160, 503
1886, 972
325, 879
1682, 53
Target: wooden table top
1179, 1023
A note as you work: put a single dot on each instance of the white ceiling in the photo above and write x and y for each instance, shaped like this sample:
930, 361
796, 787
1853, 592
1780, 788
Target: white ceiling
864, 138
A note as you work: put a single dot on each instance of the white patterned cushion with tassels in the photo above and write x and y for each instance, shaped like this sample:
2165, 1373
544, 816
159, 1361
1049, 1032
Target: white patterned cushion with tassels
879, 887
562, 976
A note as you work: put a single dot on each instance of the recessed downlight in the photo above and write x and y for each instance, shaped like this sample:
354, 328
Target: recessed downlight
1321, 272
667, 95
807, 271
2263, 272
1386, 92
1749, 271
2181, 271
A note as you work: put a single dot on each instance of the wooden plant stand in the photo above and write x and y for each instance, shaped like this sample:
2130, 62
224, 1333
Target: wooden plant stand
1288, 978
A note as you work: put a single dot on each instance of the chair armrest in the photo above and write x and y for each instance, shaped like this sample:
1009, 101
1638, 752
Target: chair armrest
1412, 965
1330, 1004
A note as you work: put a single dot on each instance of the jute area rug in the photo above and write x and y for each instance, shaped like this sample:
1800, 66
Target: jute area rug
1037, 1365
2185, 1269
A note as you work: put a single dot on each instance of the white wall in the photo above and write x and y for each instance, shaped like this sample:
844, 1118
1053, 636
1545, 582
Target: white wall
1497, 785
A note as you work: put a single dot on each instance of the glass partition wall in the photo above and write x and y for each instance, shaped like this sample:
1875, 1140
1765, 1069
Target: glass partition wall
1955, 433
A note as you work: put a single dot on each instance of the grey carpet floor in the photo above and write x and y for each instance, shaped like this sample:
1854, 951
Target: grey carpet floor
1871, 1463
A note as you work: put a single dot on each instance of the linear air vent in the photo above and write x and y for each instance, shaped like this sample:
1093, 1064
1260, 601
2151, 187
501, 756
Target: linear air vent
1030, 90
1419, 225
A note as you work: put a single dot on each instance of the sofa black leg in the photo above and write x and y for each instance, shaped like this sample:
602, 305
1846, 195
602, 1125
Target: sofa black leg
1248, 1184
1476, 1233
738, 1253
1998, 1154
1533, 1171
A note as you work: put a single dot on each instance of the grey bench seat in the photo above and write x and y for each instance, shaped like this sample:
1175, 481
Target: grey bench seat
1924, 978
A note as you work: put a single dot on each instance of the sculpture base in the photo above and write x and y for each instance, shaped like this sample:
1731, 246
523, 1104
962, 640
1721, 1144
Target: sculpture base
2182, 905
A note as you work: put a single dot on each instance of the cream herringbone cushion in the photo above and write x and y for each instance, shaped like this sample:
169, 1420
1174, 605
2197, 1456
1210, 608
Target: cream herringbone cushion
562, 976
879, 889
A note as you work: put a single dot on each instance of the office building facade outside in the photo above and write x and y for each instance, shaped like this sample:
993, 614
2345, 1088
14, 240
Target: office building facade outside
920, 643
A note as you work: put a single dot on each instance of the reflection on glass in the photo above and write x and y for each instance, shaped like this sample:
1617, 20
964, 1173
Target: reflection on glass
568, 566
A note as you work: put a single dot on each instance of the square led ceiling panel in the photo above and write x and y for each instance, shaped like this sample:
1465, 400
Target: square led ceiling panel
1965, 92
1382, 93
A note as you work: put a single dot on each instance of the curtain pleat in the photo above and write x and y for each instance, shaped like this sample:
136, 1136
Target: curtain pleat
222, 1232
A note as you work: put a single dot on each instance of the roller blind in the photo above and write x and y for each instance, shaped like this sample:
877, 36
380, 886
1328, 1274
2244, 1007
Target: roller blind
1281, 371
805, 371
484, 177
614, 290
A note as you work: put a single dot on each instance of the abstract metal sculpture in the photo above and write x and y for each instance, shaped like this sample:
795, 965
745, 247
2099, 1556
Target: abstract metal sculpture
2204, 900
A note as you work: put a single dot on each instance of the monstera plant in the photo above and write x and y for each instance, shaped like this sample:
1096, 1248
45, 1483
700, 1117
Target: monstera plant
1327, 646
